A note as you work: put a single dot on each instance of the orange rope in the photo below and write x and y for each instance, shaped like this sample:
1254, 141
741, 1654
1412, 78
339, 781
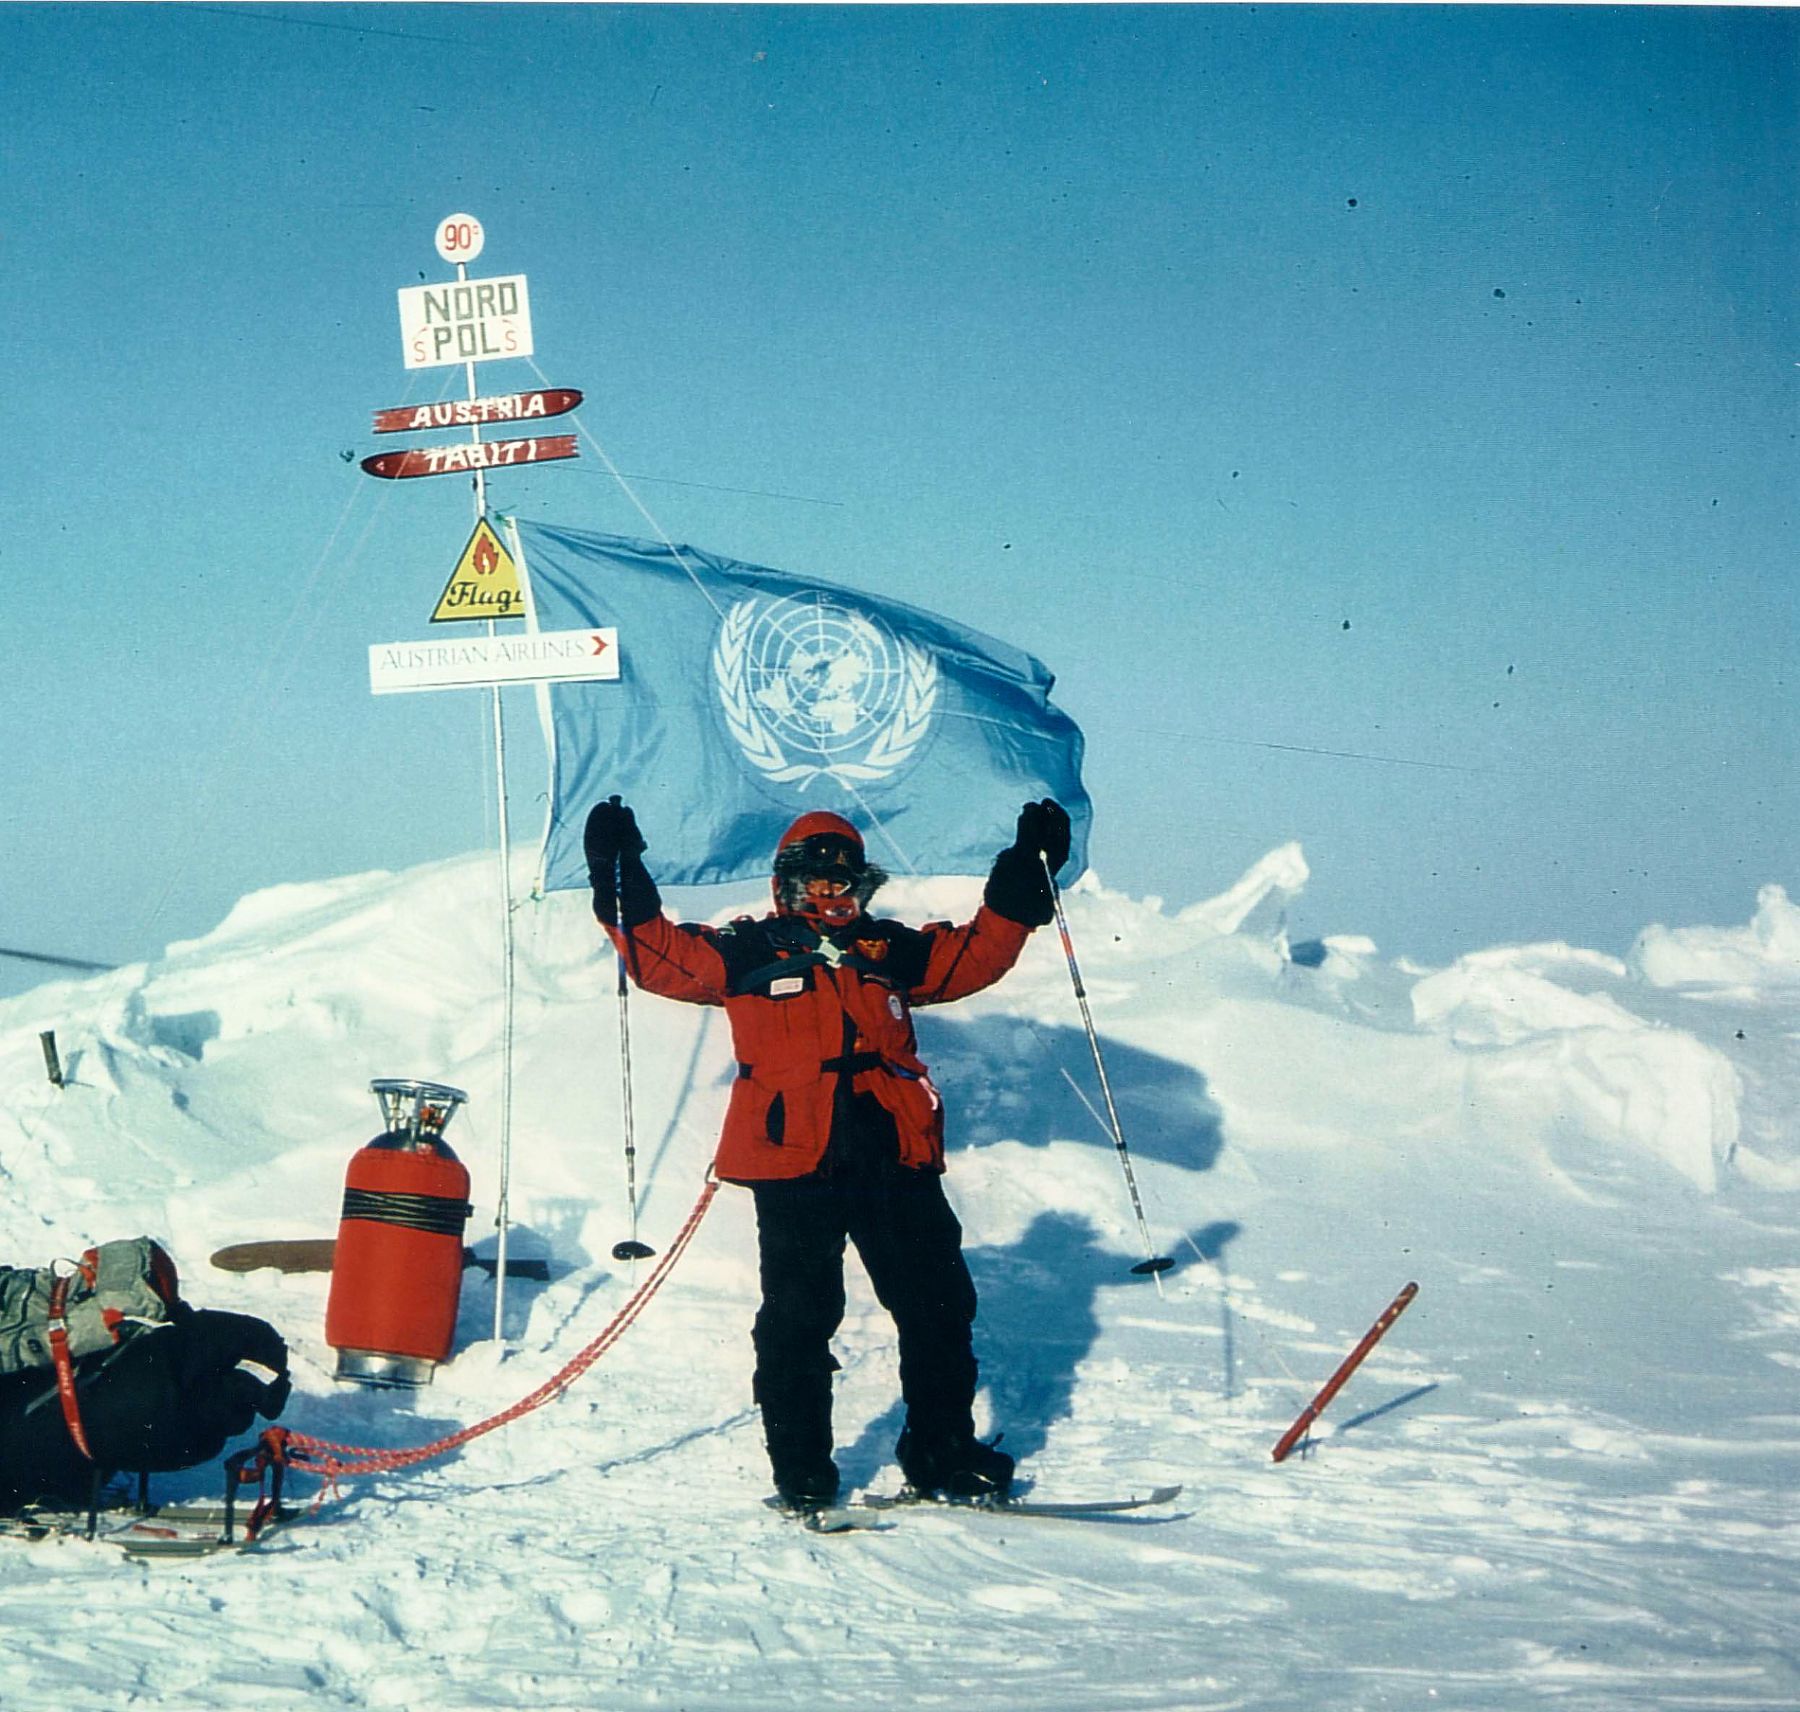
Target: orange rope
330, 1459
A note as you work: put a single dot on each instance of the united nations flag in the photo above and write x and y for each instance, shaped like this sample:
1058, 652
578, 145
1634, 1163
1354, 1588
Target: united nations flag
747, 696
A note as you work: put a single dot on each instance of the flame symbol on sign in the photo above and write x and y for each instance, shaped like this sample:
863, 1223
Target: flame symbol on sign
486, 557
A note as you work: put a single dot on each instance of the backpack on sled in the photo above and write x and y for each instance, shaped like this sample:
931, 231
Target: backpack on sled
104, 1369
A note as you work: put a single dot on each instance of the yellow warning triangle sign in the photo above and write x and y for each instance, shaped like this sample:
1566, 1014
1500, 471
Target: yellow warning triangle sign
485, 583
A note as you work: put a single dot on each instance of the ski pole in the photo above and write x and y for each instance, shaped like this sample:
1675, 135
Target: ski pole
1351, 1362
1152, 1263
631, 1248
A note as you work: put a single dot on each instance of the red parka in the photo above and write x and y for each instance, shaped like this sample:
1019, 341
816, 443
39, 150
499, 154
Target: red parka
808, 1011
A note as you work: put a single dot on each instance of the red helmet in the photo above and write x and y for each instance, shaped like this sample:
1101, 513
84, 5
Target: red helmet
820, 823
822, 871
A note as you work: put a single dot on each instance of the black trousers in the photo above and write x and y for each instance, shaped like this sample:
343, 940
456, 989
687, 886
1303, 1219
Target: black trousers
910, 1243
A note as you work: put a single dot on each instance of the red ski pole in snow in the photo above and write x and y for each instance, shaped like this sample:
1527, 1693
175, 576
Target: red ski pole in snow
1352, 1361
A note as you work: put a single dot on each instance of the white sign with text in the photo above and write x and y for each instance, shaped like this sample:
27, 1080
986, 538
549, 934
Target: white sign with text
465, 321
548, 656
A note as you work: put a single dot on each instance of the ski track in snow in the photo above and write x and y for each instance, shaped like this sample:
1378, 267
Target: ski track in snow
1566, 1479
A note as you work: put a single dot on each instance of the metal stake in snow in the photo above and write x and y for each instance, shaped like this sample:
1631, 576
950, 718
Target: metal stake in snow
503, 1210
631, 1248
1153, 1263
459, 240
1351, 1362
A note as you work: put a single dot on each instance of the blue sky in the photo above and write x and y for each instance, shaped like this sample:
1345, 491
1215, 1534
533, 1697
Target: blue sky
1381, 419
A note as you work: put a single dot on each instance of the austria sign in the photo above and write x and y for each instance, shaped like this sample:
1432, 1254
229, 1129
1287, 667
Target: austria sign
550, 656
465, 321
478, 412
464, 456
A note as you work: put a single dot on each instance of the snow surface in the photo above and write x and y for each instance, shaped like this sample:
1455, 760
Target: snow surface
1566, 1479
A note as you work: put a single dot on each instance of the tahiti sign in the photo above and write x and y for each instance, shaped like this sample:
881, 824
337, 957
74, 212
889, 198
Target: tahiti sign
464, 457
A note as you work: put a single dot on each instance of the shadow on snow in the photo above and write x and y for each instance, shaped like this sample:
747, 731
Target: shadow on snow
1004, 1079
1039, 1320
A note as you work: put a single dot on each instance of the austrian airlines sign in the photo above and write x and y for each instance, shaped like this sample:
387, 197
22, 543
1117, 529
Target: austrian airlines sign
543, 656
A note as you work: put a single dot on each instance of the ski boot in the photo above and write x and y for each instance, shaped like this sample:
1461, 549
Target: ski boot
959, 1468
805, 1491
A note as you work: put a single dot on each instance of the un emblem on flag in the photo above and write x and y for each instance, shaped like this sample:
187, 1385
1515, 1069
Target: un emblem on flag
810, 686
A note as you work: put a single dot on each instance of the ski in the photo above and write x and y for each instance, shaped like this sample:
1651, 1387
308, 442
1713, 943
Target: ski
1038, 1508
868, 1510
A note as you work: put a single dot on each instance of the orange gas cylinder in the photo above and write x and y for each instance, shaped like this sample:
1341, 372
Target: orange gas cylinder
396, 1274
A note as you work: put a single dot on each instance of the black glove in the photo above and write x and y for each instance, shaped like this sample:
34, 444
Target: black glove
612, 830
1018, 887
1044, 826
622, 884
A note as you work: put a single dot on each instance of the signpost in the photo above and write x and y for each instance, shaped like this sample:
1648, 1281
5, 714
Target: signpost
469, 321
472, 321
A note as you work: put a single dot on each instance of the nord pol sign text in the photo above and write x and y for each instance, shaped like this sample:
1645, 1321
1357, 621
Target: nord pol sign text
465, 321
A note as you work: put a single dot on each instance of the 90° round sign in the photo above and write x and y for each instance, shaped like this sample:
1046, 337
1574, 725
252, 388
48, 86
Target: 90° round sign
460, 237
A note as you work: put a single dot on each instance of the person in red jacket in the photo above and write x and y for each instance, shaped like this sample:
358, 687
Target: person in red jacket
833, 1122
